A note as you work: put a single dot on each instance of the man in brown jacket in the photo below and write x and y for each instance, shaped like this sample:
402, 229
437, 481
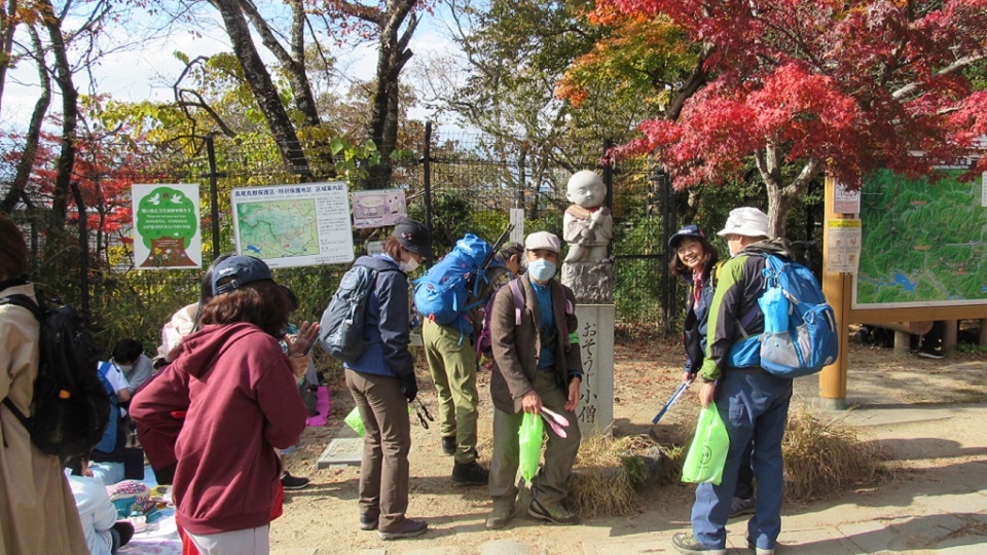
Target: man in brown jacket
536, 363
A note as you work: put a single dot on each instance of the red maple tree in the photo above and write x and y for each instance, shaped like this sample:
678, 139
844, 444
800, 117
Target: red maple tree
812, 86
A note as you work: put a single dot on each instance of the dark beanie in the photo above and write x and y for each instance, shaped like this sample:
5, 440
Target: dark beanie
413, 235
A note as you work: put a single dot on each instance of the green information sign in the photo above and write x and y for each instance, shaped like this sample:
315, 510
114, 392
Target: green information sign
167, 226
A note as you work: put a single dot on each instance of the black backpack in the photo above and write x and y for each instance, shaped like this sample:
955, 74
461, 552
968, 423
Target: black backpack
71, 408
344, 319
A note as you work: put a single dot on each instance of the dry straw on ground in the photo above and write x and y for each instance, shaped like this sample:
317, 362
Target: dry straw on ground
826, 457
820, 458
609, 473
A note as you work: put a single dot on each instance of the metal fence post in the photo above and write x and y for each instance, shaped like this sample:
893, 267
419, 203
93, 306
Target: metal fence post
663, 184
80, 203
427, 179
213, 194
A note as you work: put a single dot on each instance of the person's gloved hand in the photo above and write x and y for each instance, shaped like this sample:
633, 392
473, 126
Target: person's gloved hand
409, 386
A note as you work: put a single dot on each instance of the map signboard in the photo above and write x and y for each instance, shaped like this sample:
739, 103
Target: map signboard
166, 226
923, 243
294, 225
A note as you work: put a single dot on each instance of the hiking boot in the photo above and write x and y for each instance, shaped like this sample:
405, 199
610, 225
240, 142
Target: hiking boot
684, 542
470, 474
407, 528
293, 482
555, 514
368, 521
740, 507
503, 511
449, 445
758, 550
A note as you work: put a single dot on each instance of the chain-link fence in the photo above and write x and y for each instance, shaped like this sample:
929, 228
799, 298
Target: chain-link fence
472, 183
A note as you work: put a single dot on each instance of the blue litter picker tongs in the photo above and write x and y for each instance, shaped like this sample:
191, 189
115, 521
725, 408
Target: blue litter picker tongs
675, 397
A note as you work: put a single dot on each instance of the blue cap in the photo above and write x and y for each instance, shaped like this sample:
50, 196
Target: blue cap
243, 270
690, 230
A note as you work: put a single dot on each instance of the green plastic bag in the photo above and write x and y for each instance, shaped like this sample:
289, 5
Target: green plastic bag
530, 436
708, 452
355, 421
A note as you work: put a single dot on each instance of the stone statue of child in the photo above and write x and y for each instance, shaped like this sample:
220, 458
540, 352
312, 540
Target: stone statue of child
588, 225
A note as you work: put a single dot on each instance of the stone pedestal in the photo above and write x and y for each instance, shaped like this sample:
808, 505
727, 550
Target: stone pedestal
590, 281
595, 409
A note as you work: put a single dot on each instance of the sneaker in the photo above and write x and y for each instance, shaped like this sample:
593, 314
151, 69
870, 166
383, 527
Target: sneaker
368, 521
684, 542
293, 482
932, 354
470, 474
740, 507
758, 550
555, 515
503, 511
407, 528
449, 445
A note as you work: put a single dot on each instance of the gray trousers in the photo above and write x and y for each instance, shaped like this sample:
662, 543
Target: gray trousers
549, 485
384, 468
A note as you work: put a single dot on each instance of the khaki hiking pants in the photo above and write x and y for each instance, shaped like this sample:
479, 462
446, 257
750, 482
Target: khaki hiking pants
452, 363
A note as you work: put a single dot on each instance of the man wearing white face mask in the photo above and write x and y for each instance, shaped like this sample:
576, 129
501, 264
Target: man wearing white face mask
128, 355
536, 364
382, 383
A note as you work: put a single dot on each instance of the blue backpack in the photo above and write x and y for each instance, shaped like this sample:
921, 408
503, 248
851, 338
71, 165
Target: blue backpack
450, 288
800, 335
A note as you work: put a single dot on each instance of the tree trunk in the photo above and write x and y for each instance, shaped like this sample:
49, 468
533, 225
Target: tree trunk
782, 197
391, 59
8, 24
264, 91
70, 114
22, 171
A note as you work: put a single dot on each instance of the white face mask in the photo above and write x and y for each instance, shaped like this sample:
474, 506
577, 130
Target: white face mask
408, 266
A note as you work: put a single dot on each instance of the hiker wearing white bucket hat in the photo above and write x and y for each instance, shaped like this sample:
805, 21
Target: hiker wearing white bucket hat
746, 221
750, 401
745, 226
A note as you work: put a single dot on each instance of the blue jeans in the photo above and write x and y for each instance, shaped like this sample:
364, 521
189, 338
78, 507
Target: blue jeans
754, 406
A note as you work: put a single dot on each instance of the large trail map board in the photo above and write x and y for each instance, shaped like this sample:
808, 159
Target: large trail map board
924, 242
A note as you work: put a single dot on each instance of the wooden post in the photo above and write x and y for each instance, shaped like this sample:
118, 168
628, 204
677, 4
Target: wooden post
832, 379
950, 331
982, 338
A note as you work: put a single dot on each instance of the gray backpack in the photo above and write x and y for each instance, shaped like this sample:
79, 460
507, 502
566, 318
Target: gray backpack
344, 319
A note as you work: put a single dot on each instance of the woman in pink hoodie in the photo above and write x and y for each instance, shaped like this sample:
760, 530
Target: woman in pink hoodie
242, 402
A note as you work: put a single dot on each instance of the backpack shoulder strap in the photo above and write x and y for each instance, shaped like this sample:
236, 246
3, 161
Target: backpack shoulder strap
518, 295
24, 301
747, 319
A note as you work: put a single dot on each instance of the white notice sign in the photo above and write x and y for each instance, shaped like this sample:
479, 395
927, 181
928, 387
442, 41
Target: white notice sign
842, 246
517, 218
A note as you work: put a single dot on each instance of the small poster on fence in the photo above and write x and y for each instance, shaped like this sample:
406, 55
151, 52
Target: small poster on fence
166, 226
378, 208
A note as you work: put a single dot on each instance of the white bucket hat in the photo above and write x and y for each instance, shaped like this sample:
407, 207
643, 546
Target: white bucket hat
746, 221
